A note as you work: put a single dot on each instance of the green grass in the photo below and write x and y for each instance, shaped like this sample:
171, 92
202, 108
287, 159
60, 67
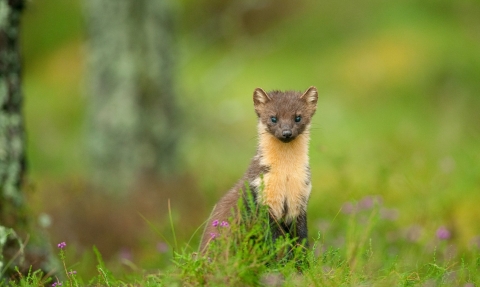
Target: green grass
397, 120
366, 251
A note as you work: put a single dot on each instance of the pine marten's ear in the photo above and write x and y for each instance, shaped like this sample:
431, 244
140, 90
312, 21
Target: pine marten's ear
260, 97
310, 95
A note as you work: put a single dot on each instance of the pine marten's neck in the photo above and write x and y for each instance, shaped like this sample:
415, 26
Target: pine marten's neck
287, 184
275, 152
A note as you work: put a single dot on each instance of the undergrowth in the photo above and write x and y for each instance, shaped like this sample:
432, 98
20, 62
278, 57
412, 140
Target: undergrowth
243, 255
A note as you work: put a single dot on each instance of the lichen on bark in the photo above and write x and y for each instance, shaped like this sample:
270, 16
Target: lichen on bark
14, 223
133, 115
12, 138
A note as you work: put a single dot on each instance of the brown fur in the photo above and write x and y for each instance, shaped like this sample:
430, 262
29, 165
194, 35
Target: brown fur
279, 174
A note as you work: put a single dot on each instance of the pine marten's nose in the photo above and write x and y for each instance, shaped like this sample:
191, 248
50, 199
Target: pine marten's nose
287, 133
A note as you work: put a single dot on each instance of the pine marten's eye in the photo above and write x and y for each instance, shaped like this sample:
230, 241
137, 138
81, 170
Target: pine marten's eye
298, 119
273, 119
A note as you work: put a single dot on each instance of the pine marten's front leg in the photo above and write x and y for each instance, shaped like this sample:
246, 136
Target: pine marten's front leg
297, 229
301, 231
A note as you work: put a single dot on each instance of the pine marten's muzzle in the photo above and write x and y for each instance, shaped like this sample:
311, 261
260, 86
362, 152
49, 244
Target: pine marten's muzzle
286, 136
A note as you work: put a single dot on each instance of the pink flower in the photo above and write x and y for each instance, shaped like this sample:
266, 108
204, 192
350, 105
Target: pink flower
224, 224
215, 223
126, 253
443, 233
61, 245
213, 235
162, 247
349, 208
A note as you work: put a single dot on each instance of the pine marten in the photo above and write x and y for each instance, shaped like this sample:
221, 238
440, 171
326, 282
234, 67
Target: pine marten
279, 175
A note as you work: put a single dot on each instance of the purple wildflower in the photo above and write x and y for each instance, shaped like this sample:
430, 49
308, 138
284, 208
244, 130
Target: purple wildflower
215, 223
370, 201
366, 202
125, 254
443, 233
349, 208
224, 224
414, 233
323, 225
389, 213
162, 247
57, 284
61, 245
213, 235
73, 272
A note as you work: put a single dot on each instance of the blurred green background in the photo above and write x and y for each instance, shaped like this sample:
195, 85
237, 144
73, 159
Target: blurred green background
398, 116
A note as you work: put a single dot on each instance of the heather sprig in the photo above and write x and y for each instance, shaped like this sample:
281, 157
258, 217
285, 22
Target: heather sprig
216, 223
71, 274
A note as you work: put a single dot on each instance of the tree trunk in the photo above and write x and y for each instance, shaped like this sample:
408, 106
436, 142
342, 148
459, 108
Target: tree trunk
14, 223
132, 111
12, 138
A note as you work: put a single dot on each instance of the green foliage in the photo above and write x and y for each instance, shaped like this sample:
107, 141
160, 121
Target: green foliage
242, 255
8, 236
397, 116
34, 278
238, 260
244, 250
4, 234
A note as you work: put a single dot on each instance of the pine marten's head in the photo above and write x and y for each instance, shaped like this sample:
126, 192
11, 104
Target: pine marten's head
285, 115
